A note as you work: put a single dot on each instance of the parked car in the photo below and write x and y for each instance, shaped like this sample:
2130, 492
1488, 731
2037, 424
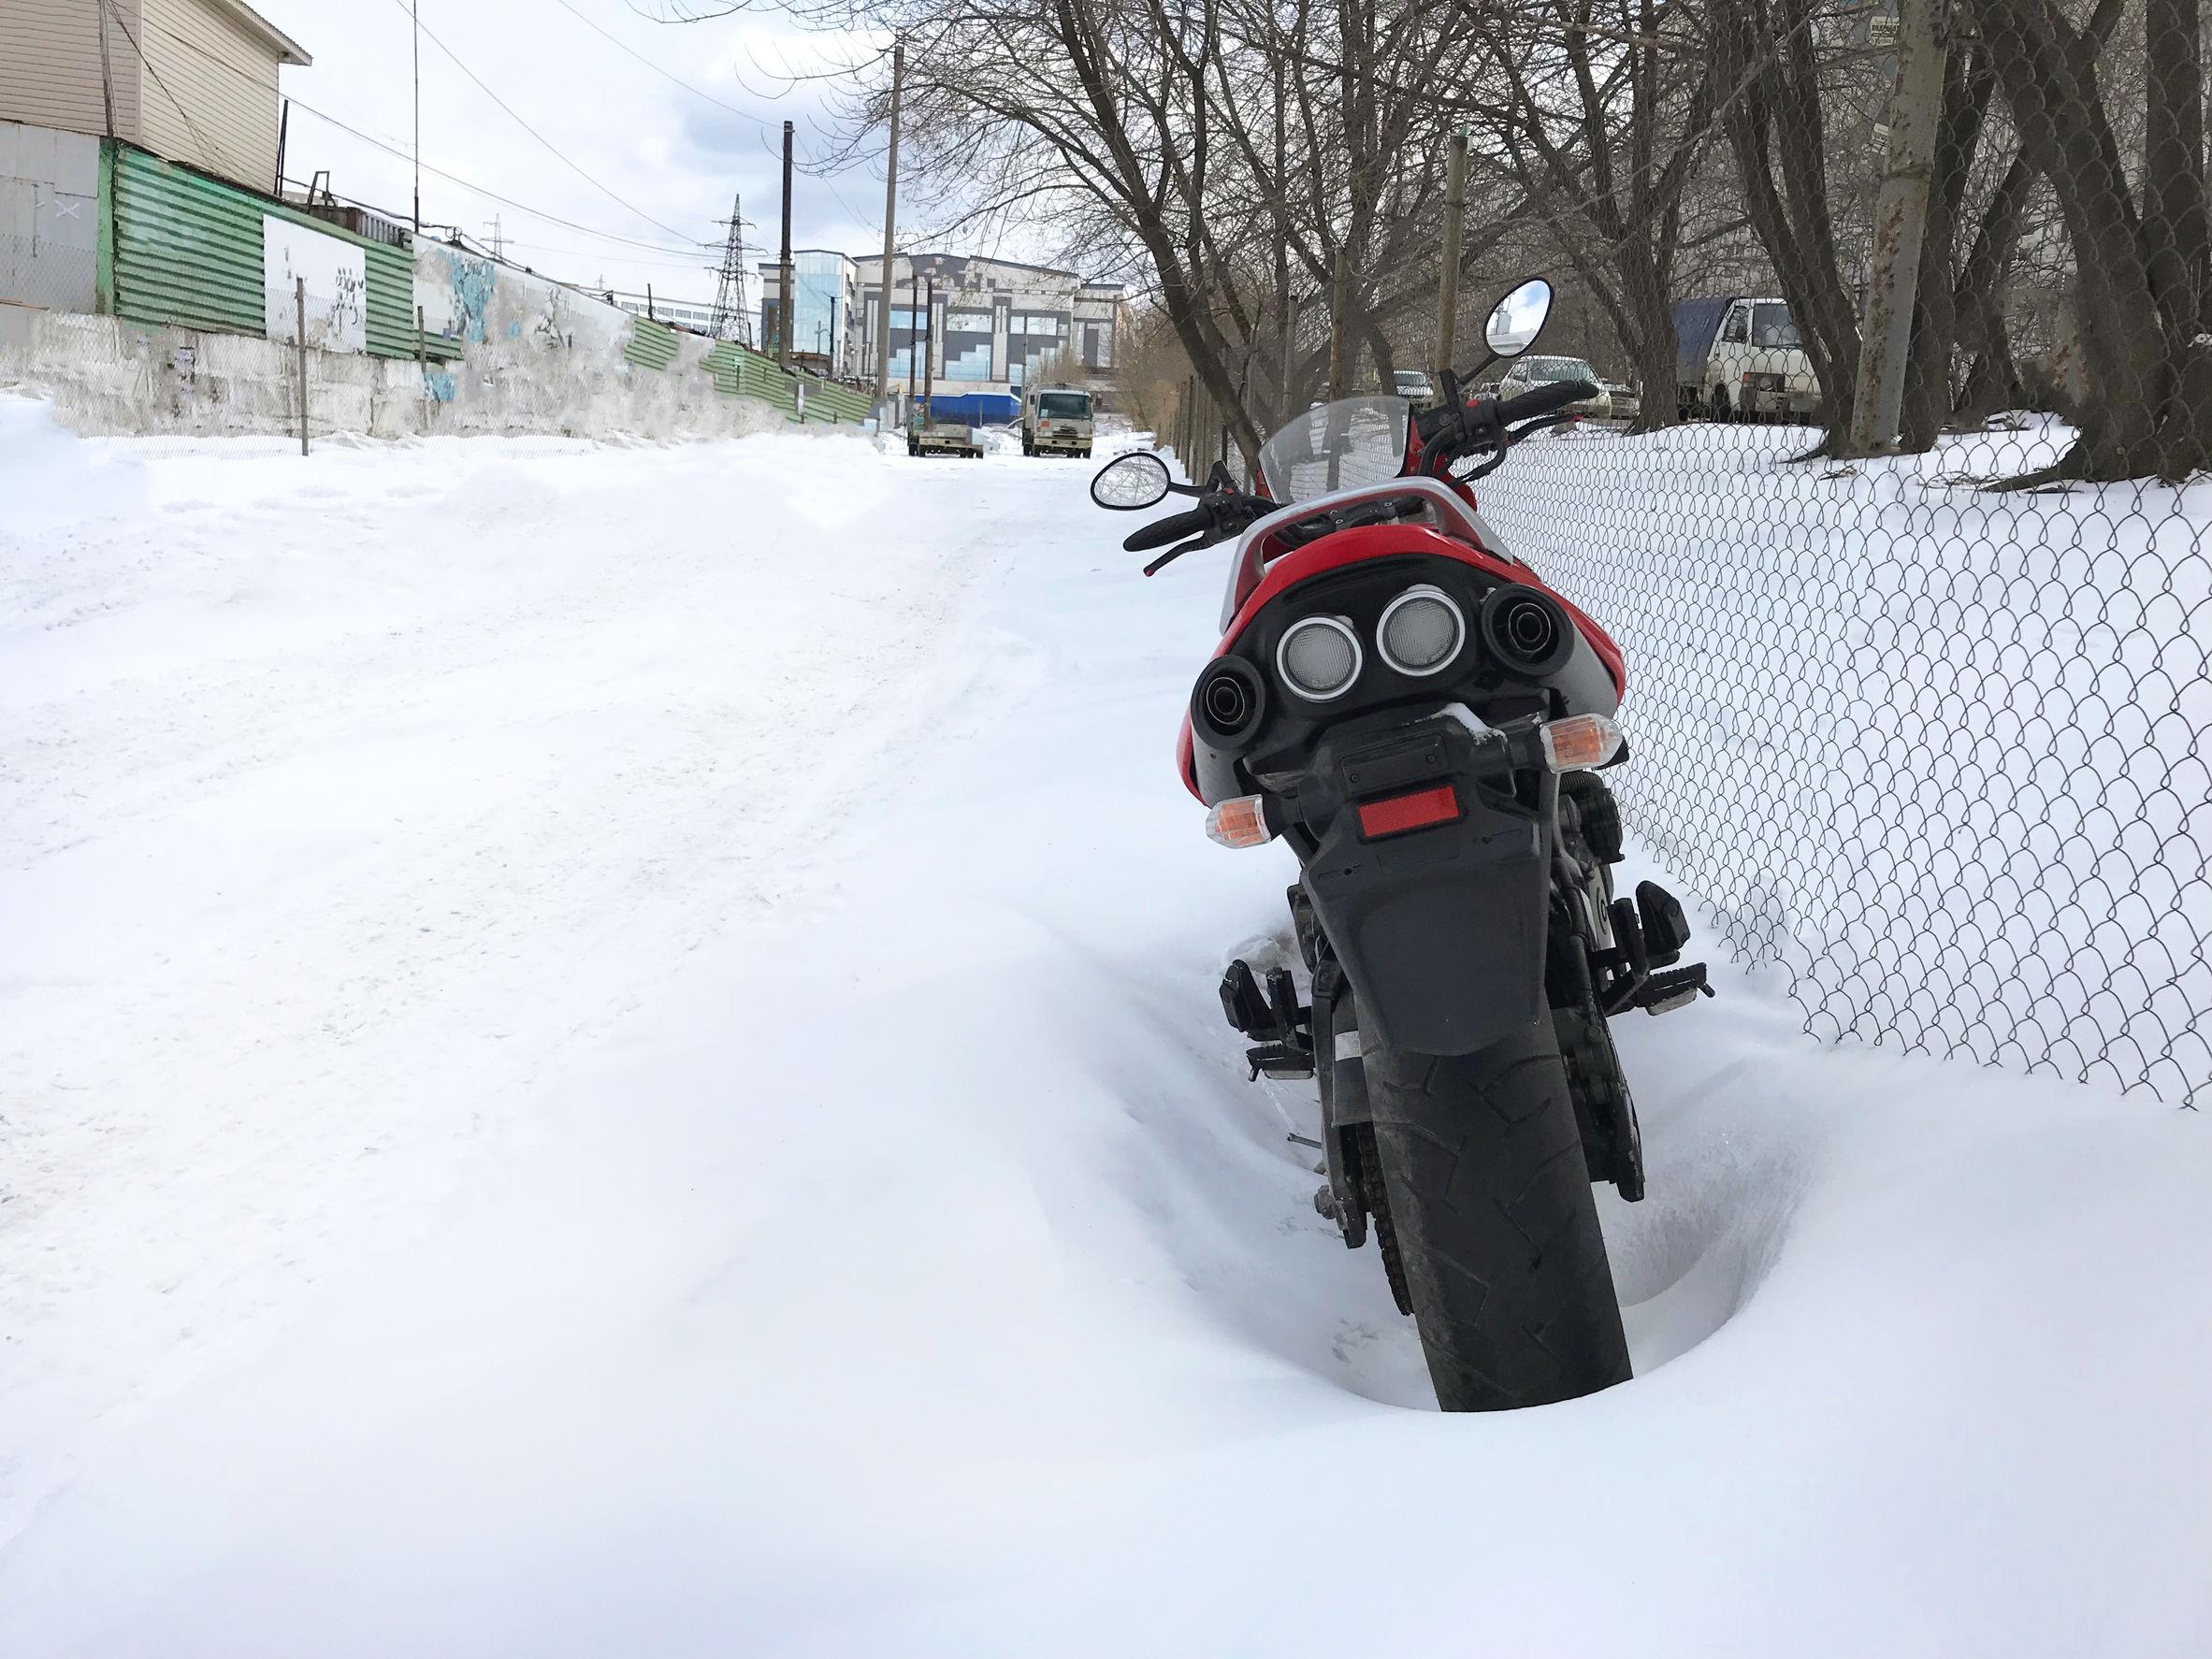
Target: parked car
1627, 403
1740, 355
1527, 373
1412, 386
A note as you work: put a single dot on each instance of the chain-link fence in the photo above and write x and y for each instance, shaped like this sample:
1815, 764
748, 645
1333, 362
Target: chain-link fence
41, 273
1909, 553
1939, 751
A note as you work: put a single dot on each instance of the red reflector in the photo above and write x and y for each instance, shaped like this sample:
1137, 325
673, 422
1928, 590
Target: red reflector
1402, 813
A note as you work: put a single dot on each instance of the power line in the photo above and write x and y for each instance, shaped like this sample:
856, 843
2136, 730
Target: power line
657, 69
208, 150
690, 252
766, 128
536, 134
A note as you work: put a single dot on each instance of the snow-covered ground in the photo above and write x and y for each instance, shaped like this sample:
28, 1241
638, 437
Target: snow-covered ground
614, 1051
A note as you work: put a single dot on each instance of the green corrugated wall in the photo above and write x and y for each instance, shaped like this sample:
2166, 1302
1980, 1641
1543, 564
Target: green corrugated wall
652, 345
741, 373
188, 251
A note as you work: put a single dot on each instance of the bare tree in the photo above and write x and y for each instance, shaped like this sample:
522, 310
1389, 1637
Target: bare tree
2139, 247
1600, 122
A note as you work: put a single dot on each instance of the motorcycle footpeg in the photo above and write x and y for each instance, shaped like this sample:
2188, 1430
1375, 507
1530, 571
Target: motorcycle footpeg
1285, 1061
1666, 929
1662, 993
1241, 1003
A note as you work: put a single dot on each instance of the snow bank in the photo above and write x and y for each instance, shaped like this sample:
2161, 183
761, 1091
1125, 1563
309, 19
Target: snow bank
618, 1054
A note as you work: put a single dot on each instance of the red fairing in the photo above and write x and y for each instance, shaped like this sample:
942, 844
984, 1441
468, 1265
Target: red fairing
1351, 547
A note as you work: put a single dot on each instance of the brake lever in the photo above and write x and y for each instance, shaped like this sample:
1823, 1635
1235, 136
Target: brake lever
1193, 545
1231, 503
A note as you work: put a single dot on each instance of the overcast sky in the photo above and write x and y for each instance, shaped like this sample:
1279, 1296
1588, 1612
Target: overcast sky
673, 159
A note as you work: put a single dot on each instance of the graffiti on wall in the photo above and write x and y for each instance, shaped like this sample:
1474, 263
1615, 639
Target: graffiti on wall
336, 276
473, 281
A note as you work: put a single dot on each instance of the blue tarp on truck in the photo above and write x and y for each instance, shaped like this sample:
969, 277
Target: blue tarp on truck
976, 408
1695, 324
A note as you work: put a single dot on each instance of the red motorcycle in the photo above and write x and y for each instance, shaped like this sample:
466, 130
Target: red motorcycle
1425, 722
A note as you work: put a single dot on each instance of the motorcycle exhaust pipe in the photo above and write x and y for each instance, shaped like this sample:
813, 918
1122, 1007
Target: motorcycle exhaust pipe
1229, 701
1524, 631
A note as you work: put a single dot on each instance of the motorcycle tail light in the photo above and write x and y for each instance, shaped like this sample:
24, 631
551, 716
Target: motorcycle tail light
1242, 822
1579, 742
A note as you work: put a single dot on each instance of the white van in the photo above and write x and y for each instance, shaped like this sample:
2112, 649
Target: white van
1055, 420
1740, 355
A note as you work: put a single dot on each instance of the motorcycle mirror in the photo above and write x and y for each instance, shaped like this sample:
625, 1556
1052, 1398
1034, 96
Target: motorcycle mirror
1131, 482
1517, 319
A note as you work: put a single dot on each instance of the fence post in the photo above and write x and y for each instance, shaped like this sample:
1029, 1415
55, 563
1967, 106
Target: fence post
299, 300
1900, 216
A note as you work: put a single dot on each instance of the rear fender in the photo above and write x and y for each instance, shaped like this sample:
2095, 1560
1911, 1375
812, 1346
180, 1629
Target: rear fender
1441, 930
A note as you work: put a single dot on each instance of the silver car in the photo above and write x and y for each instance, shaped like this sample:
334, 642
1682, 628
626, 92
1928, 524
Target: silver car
1527, 373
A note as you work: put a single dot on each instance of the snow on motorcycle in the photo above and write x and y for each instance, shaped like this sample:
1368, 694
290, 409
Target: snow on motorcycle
1426, 723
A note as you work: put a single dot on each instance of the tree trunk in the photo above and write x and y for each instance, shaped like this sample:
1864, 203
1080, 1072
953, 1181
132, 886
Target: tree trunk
2148, 410
1768, 92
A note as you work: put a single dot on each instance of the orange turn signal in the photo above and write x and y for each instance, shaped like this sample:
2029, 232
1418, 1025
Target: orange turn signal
1242, 822
1579, 742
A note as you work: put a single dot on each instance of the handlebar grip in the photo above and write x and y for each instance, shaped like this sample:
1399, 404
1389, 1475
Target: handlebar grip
1545, 400
1174, 527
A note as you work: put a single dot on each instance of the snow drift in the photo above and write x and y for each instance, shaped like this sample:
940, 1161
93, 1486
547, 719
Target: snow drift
614, 1051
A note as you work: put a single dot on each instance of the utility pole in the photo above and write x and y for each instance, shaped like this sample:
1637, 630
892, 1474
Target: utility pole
1455, 226
1336, 287
891, 220
1282, 247
929, 353
107, 76
1901, 219
498, 242
783, 307
913, 325
414, 12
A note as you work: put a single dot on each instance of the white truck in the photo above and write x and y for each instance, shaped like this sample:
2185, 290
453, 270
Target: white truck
1740, 355
1055, 420
931, 434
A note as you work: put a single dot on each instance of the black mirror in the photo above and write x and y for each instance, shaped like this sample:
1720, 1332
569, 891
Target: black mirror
1131, 483
1518, 317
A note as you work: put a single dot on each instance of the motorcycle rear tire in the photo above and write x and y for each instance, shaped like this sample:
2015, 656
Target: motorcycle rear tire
1490, 1196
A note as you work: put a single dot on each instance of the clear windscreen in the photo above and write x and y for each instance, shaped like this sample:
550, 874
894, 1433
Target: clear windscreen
1338, 446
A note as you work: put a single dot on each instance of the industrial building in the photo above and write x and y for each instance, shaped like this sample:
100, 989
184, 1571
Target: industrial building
998, 325
192, 81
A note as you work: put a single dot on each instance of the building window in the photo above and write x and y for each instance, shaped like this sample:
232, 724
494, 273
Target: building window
967, 345
905, 329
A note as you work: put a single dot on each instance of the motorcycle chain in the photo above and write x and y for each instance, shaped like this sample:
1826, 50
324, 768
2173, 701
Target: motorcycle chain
1377, 1200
